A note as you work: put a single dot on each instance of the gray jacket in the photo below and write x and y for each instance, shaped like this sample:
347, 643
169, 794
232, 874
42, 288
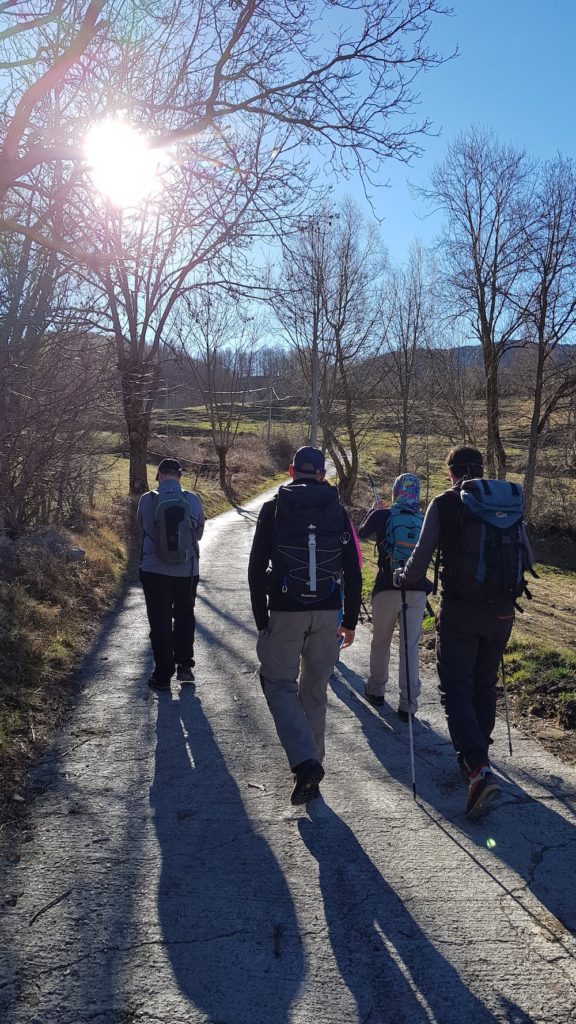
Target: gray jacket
149, 561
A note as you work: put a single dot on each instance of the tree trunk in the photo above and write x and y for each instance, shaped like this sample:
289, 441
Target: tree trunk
139, 386
495, 454
534, 436
223, 469
138, 435
403, 457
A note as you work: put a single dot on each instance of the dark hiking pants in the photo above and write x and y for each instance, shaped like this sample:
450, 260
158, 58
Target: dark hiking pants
170, 607
470, 641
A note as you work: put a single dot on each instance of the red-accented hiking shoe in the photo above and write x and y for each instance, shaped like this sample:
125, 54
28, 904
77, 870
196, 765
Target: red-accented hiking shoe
307, 777
482, 791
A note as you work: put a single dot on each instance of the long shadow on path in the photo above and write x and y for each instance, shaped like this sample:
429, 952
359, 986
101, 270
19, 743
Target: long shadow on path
391, 968
523, 832
223, 901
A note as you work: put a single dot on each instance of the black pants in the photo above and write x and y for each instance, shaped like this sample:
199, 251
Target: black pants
470, 641
170, 606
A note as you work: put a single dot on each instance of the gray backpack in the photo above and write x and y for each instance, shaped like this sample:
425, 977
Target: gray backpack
174, 528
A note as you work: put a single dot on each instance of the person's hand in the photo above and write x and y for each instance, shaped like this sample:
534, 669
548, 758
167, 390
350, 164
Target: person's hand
397, 578
347, 637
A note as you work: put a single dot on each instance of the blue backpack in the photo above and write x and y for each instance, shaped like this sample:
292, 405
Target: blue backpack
487, 557
402, 533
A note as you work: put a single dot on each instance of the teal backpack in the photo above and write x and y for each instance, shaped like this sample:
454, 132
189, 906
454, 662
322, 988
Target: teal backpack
402, 533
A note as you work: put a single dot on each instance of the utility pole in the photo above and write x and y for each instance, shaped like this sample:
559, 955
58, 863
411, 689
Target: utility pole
271, 389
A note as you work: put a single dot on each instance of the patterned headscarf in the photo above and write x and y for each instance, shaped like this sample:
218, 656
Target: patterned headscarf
406, 491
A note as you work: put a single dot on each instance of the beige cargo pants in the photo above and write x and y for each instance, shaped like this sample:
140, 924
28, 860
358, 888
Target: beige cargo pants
386, 612
297, 654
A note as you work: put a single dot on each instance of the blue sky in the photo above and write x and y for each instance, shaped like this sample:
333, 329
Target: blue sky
516, 74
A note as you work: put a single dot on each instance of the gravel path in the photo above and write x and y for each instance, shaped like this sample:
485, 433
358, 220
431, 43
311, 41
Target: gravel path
164, 877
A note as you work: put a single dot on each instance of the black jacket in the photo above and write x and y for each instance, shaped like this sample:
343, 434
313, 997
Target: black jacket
259, 578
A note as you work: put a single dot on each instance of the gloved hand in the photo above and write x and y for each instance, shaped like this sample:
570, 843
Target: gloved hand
397, 578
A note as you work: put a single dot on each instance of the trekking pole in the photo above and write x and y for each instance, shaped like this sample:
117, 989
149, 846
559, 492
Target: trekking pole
505, 688
365, 610
410, 731
375, 494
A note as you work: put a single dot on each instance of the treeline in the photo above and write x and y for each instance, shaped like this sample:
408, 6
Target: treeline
234, 273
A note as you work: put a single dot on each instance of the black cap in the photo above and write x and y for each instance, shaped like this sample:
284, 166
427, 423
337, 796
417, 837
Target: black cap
309, 460
171, 466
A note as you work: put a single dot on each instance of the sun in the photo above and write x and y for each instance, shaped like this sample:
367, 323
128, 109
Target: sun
123, 167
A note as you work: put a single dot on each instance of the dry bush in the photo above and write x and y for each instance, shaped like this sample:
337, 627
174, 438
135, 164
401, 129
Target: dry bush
49, 419
283, 444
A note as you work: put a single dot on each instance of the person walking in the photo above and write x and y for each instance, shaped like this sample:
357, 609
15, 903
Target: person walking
172, 524
303, 558
396, 531
482, 556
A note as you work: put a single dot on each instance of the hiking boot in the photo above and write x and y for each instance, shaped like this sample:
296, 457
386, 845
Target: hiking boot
404, 716
374, 699
463, 767
184, 674
482, 791
158, 684
307, 778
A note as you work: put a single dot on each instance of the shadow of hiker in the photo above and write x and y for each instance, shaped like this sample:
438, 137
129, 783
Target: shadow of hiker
226, 913
393, 971
521, 831
388, 739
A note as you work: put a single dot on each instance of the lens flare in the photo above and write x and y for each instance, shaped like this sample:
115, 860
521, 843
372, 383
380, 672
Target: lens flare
123, 167
491, 844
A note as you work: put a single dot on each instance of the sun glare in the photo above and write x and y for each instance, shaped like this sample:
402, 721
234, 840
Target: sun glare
123, 166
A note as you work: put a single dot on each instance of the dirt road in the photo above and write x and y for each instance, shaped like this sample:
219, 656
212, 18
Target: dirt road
162, 875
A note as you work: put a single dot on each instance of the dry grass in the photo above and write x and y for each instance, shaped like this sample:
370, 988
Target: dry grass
50, 610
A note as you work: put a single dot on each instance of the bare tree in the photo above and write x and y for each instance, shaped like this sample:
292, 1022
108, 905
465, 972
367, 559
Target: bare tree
330, 75
218, 345
456, 384
55, 383
198, 227
550, 302
481, 187
328, 304
409, 325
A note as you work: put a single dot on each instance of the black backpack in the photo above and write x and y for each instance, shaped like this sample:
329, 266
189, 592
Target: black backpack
308, 538
483, 553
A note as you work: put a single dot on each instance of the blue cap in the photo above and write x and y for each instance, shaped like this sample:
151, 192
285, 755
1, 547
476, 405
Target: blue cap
309, 460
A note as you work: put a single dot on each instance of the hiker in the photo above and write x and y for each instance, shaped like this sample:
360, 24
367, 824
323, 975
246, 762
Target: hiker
476, 526
302, 555
396, 531
172, 523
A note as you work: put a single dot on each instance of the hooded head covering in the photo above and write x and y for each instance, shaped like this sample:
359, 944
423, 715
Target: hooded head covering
406, 491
